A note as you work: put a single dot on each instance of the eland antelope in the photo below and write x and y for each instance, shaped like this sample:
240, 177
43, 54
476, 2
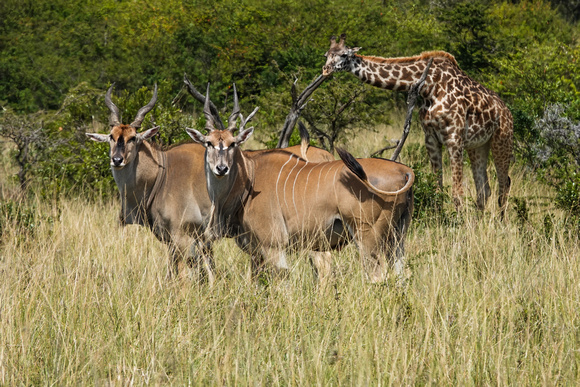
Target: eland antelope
162, 190
276, 200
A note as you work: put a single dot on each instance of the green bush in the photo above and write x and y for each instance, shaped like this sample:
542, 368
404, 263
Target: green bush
432, 204
558, 156
18, 216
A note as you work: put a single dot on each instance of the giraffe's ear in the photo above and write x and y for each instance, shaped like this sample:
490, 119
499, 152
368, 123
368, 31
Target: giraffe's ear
352, 50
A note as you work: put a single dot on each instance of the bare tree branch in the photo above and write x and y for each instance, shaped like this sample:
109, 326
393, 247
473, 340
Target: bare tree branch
298, 104
380, 151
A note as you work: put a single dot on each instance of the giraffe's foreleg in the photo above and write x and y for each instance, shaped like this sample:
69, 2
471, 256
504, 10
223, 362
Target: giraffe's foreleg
435, 152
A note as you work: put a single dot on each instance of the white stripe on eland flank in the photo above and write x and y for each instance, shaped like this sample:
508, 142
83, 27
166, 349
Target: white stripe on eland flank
318, 185
294, 186
308, 178
278, 180
286, 182
335, 183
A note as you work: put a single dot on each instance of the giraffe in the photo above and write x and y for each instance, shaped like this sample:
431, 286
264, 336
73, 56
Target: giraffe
456, 112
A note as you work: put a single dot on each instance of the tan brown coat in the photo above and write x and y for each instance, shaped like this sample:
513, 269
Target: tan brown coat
277, 200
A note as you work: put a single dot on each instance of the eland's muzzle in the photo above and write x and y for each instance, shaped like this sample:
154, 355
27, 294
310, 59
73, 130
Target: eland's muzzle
221, 170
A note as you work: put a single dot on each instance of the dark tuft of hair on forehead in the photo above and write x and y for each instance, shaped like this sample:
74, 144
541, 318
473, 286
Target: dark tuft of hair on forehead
121, 143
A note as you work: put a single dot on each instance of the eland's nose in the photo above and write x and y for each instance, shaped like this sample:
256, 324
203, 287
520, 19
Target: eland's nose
221, 170
117, 161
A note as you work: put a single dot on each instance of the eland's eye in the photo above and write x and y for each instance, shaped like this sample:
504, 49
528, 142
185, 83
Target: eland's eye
132, 139
208, 144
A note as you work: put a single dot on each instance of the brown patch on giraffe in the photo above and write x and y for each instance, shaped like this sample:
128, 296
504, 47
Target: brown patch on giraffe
383, 73
406, 75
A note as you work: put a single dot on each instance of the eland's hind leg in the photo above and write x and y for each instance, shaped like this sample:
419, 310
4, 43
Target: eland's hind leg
322, 263
372, 256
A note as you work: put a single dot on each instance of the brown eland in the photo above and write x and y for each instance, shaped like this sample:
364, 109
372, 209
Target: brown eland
163, 190
276, 200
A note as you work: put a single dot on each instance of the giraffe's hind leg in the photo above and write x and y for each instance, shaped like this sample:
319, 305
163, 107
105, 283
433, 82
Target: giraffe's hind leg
478, 158
501, 150
456, 159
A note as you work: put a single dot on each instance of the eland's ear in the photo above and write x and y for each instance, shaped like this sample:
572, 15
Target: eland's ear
146, 135
196, 136
98, 137
244, 135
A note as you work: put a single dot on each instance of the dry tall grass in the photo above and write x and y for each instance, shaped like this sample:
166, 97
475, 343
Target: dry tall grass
83, 301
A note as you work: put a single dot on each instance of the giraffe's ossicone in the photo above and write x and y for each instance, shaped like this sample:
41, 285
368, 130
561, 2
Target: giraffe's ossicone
456, 111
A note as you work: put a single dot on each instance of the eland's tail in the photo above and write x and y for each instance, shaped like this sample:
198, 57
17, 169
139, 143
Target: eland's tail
357, 169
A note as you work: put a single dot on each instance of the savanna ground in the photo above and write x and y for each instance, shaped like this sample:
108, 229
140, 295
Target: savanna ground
83, 301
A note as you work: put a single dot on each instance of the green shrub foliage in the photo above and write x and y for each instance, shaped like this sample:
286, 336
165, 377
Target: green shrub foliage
559, 156
59, 57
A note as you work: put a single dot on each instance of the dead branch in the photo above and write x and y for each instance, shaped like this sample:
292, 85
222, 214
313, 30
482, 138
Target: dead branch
298, 104
380, 151
320, 134
411, 100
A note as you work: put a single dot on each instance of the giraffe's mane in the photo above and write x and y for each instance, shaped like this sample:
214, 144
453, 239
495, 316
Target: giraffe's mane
423, 55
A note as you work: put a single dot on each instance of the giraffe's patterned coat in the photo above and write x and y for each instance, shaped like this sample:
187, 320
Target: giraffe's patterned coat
456, 112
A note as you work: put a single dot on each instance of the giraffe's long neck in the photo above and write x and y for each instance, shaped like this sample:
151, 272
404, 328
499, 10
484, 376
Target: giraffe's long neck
388, 74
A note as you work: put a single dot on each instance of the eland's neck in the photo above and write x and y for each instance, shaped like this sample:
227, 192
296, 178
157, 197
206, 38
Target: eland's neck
135, 182
228, 194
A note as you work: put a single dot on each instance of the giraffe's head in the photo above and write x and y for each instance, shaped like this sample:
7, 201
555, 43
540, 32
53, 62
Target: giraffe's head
338, 56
